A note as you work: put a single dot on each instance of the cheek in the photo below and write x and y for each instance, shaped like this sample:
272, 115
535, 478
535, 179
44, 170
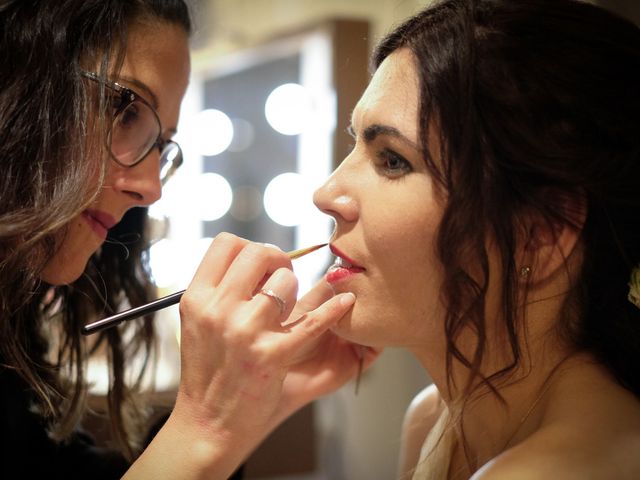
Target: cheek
411, 271
401, 303
403, 238
70, 260
99, 165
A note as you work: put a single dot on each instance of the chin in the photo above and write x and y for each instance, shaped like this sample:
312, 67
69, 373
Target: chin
373, 326
58, 275
344, 328
60, 279
350, 329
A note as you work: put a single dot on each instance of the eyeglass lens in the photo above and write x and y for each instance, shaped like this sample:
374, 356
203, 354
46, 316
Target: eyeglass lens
170, 160
135, 131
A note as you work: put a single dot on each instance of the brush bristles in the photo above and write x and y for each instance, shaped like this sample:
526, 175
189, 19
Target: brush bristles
303, 251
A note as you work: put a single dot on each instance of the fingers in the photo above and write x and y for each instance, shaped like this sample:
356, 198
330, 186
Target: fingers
317, 322
238, 267
254, 263
278, 295
320, 293
223, 250
236, 354
244, 291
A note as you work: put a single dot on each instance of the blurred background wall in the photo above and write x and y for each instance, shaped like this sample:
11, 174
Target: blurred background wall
228, 25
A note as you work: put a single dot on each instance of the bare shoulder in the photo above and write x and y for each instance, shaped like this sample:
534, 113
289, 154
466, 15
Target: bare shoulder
425, 407
569, 462
421, 416
599, 446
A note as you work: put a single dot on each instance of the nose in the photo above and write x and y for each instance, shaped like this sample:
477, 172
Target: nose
336, 196
141, 183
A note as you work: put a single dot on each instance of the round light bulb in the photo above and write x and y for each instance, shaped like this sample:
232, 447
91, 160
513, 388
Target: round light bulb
289, 108
212, 132
287, 199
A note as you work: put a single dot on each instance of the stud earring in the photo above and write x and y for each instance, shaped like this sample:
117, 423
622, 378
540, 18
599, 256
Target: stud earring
525, 271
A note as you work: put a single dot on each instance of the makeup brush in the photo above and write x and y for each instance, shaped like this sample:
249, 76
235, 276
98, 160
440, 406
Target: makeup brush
165, 302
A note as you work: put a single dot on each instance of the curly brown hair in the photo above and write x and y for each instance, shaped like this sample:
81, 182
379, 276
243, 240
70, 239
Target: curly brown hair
532, 96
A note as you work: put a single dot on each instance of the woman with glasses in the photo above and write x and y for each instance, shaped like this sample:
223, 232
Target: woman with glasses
90, 93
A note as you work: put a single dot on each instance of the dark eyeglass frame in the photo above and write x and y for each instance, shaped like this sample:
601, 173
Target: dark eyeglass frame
165, 147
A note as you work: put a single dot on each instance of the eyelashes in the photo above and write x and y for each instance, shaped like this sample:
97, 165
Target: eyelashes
387, 161
393, 164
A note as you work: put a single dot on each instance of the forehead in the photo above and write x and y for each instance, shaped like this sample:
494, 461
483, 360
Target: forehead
392, 96
158, 56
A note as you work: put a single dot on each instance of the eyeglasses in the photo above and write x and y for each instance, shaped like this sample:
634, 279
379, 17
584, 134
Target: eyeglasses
136, 130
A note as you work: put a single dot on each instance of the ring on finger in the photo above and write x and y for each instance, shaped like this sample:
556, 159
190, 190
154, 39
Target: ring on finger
279, 300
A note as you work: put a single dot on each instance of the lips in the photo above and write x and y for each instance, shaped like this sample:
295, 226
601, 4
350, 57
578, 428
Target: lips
100, 222
343, 268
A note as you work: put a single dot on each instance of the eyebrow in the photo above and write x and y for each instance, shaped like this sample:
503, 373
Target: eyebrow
153, 98
142, 86
372, 131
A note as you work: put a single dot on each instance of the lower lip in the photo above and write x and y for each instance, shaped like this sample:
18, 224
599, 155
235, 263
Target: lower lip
337, 274
96, 226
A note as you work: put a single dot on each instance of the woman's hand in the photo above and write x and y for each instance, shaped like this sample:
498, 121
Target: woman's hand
243, 371
322, 365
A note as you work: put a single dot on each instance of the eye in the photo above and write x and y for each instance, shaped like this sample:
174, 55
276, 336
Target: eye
393, 164
128, 117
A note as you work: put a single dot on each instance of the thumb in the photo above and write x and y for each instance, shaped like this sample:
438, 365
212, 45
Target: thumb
314, 323
320, 293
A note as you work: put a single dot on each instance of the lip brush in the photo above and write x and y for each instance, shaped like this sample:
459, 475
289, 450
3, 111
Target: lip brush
164, 302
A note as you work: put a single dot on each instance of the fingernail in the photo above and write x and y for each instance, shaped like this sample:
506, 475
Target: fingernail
271, 245
347, 299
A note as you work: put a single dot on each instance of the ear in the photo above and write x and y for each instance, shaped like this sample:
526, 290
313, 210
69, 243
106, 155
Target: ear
549, 242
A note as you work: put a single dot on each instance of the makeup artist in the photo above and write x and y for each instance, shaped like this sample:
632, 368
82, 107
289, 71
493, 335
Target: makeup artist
90, 92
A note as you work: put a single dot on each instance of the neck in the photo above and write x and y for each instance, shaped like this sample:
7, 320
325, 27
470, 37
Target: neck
489, 424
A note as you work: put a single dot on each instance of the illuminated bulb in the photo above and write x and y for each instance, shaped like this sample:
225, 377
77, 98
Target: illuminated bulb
211, 196
162, 268
243, 135
212, 132
287, 199
289, 108
207, 197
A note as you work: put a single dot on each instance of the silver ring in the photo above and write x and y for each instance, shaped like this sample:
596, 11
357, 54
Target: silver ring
271, 294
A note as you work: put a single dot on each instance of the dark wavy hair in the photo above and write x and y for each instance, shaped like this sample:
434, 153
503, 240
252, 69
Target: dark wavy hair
45, 113
532, 97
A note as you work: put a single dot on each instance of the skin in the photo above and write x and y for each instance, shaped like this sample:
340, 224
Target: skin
242, 371
246, 365
387, 215
158, 70
383, 200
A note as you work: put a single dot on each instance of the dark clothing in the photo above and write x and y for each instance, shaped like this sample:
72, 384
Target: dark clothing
27, 452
